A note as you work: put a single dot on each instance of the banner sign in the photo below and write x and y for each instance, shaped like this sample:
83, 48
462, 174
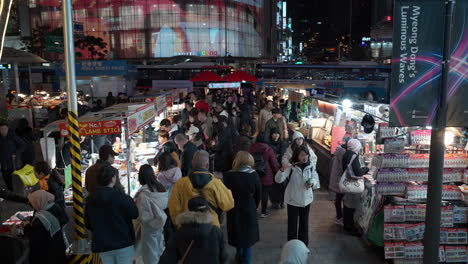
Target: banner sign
229, 85
142, 117
100, 68
418, 37
109, 127
160, 104
457, 88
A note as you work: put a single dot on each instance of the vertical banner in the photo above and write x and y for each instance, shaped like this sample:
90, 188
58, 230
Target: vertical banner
418, 38
457, 89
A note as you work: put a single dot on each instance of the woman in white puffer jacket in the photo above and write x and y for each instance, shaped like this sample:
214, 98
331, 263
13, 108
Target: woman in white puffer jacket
303, 178
298, 140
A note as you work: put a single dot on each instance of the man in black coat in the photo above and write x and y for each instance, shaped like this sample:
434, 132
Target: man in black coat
11, 147
188, 151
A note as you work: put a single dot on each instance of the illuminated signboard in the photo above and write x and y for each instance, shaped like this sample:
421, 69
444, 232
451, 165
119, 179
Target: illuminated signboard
231, 85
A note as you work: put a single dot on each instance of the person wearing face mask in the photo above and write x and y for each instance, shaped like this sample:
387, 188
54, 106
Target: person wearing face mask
303, 178
352, 201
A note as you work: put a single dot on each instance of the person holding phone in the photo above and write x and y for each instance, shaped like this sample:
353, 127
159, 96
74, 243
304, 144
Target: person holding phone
298, 196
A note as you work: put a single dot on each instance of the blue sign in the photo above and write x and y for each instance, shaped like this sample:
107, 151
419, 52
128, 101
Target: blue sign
100, 68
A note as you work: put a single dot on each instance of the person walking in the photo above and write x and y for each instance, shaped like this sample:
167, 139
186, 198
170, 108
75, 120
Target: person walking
264, 116
151, 200
206, 123
187, 149
242, 222
352, 201
197, 240
106, 158
336, 171
223, 150
201, 182
50, 181
266, 166
188, 106
11, 147
44, 230
303, 178
26, 134
108, 215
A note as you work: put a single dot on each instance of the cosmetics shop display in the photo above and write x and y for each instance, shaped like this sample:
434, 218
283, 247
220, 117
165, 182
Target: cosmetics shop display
402, 179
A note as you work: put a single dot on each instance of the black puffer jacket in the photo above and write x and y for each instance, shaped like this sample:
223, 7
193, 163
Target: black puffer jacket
9, 146
356, 165
223, 151
208, 242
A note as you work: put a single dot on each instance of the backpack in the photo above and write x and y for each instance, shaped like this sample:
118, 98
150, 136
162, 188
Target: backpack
260, 165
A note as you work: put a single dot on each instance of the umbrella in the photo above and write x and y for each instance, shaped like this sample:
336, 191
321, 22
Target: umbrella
240, 76
12, 56
207, 76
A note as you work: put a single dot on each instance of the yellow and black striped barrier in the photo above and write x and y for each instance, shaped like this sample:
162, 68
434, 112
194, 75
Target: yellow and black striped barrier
78, 208
83, 259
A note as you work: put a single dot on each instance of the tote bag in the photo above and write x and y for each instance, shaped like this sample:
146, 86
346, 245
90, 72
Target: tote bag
348, 184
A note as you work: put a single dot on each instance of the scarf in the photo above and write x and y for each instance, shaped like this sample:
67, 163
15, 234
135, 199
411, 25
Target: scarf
48, 220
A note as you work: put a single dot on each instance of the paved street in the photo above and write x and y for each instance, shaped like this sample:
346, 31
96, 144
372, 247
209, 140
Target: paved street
327, 243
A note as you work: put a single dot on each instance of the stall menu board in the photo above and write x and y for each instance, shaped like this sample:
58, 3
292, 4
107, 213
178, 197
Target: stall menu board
160, 104
92, 128
143, 116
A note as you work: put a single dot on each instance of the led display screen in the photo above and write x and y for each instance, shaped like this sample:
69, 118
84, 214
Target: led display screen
163, 28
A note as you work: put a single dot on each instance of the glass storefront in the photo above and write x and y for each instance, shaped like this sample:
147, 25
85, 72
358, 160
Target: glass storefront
136, 29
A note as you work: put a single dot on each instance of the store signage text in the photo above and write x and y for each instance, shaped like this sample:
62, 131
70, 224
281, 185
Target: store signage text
198, 53
141, 118
94, 128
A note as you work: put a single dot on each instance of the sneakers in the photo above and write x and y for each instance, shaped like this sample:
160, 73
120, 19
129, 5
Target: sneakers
265, 215
339, 222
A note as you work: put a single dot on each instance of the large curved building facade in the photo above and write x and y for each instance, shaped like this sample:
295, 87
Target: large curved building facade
140, 29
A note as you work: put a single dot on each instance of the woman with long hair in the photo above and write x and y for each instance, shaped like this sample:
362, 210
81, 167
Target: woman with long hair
168, 171
242, 222
151, 201
303, 178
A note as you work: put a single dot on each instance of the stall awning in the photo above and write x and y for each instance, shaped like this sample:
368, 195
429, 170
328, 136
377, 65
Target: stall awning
207, 76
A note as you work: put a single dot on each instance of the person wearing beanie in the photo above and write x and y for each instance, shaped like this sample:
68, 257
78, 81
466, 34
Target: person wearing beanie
197, 240
297, 140
276, 122
352, 201
335, 177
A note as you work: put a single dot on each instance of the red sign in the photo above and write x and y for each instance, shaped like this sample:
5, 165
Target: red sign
94, 128
337, 138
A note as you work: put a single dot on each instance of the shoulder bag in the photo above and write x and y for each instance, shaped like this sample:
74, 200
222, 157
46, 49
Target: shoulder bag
186, 253
348, 182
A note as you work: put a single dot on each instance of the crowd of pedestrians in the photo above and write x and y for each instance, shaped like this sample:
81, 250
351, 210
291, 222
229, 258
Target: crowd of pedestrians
218, 160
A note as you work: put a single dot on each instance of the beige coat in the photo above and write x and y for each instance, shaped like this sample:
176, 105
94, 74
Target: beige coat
263, 117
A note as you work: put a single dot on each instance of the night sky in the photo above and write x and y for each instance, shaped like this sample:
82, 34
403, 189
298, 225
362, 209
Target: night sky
334, 16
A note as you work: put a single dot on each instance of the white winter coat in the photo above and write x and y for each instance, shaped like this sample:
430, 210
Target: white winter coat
288, 154
296, 193
151, 219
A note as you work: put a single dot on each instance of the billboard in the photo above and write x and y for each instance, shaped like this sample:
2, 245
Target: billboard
163, 28
417, 64
418, 38
457, 89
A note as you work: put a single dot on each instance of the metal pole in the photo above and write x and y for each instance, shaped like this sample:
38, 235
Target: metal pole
75, 151
129, 162
436, 159
17, 82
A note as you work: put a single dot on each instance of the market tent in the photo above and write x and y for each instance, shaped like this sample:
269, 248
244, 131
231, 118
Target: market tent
14, 56
240, 76
207, 76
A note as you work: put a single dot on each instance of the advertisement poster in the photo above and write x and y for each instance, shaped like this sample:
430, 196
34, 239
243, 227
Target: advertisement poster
337, 138
109, 127
418, 37
457, 88
141, 118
